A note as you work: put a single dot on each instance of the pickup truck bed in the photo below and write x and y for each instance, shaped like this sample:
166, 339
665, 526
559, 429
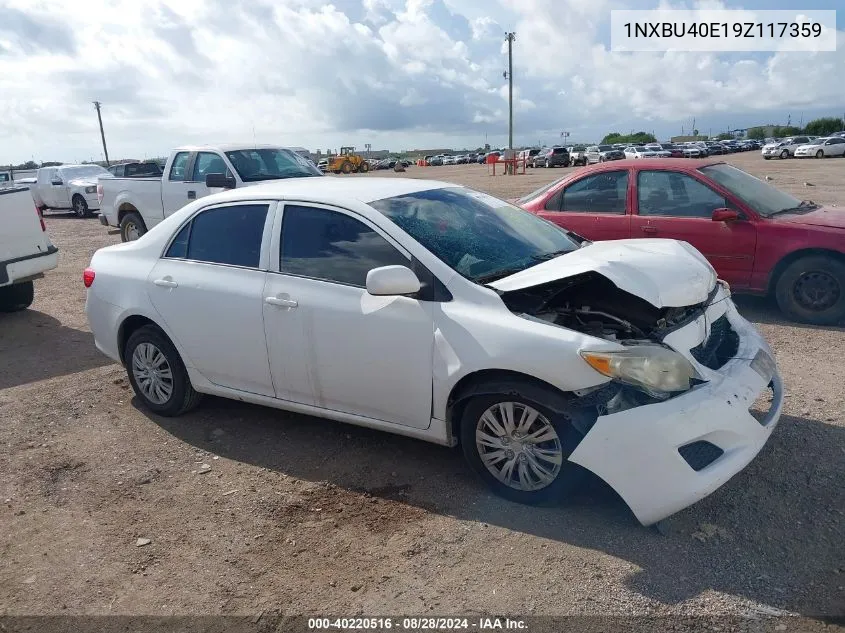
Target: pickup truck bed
25, 248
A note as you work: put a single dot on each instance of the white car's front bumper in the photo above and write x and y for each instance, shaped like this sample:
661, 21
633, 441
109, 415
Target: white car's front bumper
637, 451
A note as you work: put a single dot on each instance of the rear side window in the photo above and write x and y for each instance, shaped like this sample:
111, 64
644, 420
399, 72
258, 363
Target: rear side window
332, 246
177, 167
223, 235
605, 192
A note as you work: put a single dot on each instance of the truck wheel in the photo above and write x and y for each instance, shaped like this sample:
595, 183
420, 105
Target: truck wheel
812, 290
520, 448
131, 227
80, 207
17, 296
346, 167
364, 168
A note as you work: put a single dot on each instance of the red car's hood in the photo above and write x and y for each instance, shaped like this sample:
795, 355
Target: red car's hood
833, 217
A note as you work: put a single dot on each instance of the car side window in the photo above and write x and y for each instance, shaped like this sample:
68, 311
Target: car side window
332, 246
223, 235
177, 167
605, 192
208, 163
666, 193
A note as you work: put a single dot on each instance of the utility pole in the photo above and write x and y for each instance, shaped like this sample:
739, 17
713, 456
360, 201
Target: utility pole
510, 37
102, 134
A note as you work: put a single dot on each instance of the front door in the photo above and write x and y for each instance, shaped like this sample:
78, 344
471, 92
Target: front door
677, 206
593, 206
178, 188
208, 289
365, 355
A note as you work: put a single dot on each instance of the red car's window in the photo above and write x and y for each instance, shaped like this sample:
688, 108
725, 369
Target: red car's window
600, 193
667, 193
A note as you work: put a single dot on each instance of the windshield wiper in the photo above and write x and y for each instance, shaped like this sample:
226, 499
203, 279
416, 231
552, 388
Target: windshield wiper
805, 205
498, 274
547, 256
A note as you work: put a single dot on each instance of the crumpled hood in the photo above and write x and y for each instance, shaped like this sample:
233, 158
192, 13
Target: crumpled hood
666, 273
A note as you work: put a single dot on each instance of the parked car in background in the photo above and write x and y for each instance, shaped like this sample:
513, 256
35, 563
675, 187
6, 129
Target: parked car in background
639, 152
785, 148
478, 324
603, 153
674, 150
448, 160
26, 251
715, 149
577, 155
552, 157
527, 156
68, 187
824, 147
138, 169
691, 151
759, 239
135, 205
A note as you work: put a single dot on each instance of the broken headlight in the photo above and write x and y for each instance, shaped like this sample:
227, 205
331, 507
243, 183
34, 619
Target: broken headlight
655, 369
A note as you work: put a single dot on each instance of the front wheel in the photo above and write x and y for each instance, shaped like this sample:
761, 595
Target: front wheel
784, 154
812, 290
132, 227
820, 154
157, 374
520, 448
80, 206
364, 168
17, 297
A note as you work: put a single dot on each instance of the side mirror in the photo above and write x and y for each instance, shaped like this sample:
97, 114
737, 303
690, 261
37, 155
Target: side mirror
392, 281
56, 182
725, 215
221, 181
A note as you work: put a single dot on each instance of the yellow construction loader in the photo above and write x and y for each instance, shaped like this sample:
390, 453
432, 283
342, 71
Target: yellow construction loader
347, 162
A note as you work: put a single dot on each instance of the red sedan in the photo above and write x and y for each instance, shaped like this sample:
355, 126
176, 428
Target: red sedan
759, 239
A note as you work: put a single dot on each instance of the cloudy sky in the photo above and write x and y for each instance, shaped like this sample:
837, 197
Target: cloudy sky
398, 74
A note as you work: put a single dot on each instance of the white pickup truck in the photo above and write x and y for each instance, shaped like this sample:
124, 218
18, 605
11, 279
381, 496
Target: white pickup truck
25, 249
135, 205
68, 187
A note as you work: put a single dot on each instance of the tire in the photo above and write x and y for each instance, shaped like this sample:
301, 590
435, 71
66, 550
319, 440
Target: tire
364, 168
814, 279
17, 297
784, 154
820, 153
182, 397
346, 167
601, 159
569, 476
132, 227
80, 206
767, 157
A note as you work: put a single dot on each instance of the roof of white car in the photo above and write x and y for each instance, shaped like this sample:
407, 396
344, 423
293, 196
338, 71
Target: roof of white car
226, 147
334, 188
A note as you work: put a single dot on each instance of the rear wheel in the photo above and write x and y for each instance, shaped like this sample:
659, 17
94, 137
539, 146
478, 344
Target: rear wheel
346, 167
520, 448
132, 227
17, 296
80, 206
157, 374
812, 290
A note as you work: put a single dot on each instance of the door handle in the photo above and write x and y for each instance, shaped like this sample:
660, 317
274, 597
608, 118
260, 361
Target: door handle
282, 303
192, 195
649, 230
166, 283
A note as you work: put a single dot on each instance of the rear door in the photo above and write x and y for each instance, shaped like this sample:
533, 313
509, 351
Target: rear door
675, 205
594, 206
208, 289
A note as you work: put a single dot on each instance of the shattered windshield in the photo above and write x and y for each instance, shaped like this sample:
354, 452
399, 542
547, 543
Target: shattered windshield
481, 237
254, 165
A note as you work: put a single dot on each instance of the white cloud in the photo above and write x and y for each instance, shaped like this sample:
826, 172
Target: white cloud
406, 73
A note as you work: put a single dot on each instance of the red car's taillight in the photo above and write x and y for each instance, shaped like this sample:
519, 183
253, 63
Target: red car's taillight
41, 219
88, 277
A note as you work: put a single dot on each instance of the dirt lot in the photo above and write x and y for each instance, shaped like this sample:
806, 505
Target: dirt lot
305, 515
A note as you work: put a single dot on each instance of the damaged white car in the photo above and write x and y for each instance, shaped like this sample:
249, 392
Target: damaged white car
441, 313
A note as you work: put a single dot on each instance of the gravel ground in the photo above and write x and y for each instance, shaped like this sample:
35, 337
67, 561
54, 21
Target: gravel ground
248, 509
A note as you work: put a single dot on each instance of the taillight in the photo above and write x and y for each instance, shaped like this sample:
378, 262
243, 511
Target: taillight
41, 219
88, 277
99, 193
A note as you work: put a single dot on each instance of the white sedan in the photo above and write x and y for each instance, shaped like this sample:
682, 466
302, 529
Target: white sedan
641, 152
434, 311
822, 148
